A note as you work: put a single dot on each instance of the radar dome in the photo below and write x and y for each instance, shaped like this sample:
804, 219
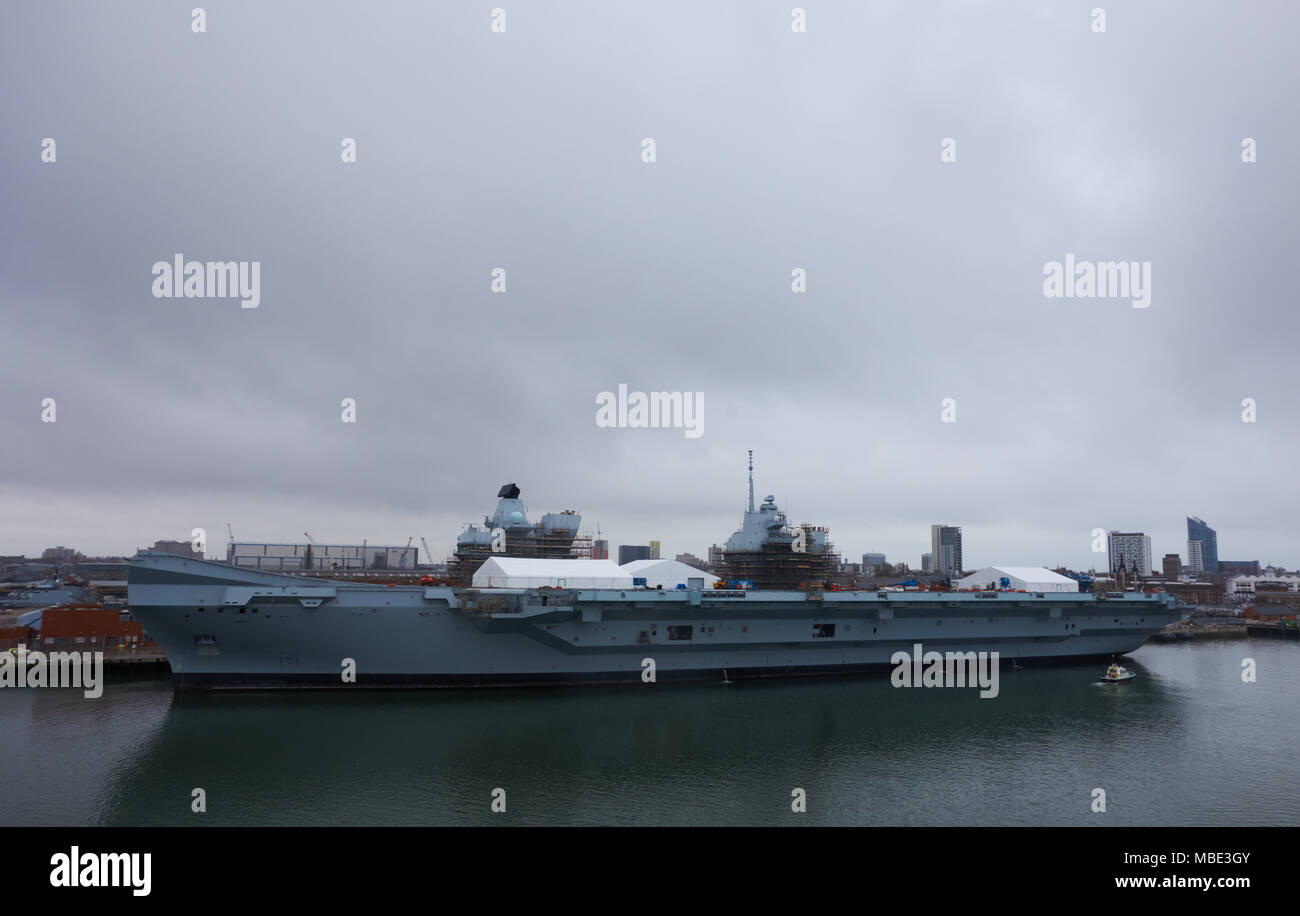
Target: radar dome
517, 517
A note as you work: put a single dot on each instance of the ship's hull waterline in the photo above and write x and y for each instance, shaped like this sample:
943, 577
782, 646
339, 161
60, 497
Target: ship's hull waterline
225, 627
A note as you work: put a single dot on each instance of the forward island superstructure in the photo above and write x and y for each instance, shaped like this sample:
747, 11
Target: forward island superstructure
226, 627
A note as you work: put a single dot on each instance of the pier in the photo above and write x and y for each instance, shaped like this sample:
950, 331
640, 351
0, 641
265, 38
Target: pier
1211, 627
1282, 629
142, 659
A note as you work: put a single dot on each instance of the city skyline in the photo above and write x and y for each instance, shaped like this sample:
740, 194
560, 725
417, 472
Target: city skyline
1152, 551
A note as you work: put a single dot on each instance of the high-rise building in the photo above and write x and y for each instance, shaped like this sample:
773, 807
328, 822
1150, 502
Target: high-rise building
1171, 566
715, 557
945, 550
600, 549
1197, 530
1195, 561
1130, 550
925, 563
654, 550
629, 552
871, 562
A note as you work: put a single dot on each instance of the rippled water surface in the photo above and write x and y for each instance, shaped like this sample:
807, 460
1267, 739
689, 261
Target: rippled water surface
1187, 742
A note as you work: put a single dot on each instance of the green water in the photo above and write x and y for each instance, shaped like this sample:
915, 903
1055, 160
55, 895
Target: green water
1187, 742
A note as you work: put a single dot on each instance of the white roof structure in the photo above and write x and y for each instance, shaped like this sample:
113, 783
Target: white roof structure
529, 572
1246, 583
666, 573
1030, 578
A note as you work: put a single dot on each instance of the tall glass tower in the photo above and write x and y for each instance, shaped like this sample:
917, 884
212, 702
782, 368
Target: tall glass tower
945, 550
1200, 533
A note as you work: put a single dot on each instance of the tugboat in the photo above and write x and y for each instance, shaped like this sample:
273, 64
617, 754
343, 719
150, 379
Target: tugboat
1116, 673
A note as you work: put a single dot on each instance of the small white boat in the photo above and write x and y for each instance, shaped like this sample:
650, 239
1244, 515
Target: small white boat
1116, 673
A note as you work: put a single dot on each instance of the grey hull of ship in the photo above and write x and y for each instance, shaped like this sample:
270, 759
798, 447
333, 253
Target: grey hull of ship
223, 627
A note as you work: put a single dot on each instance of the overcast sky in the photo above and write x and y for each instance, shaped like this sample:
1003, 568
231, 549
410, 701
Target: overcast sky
775, 150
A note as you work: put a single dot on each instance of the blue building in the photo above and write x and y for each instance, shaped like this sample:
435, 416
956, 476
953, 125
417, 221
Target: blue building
1202, 543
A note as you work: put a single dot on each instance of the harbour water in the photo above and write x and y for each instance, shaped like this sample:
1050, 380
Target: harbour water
1186, 743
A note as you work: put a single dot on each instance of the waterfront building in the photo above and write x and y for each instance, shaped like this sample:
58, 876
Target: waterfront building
60, 554
1239, 567
1244, 587
180, 548
293, 557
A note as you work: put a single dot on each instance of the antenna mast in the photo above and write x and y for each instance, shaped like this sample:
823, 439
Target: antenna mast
751, 480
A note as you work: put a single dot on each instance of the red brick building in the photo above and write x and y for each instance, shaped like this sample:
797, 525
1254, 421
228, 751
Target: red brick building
87, 627
13, 637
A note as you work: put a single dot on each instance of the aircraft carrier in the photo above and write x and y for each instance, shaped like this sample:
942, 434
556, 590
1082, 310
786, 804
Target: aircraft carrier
228, 627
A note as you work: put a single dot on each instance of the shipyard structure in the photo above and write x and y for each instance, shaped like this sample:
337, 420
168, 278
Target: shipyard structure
527, 604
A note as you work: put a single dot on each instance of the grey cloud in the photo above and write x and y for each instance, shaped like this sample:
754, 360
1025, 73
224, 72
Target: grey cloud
774, 151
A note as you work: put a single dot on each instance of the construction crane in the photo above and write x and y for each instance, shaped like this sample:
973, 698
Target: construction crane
230, 533
307, 555
427, 552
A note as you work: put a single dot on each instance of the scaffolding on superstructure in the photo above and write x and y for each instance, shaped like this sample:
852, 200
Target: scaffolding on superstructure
547, 544
779, 566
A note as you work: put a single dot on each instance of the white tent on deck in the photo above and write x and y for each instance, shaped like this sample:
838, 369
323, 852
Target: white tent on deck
1029, 578
666, 573
530, 572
